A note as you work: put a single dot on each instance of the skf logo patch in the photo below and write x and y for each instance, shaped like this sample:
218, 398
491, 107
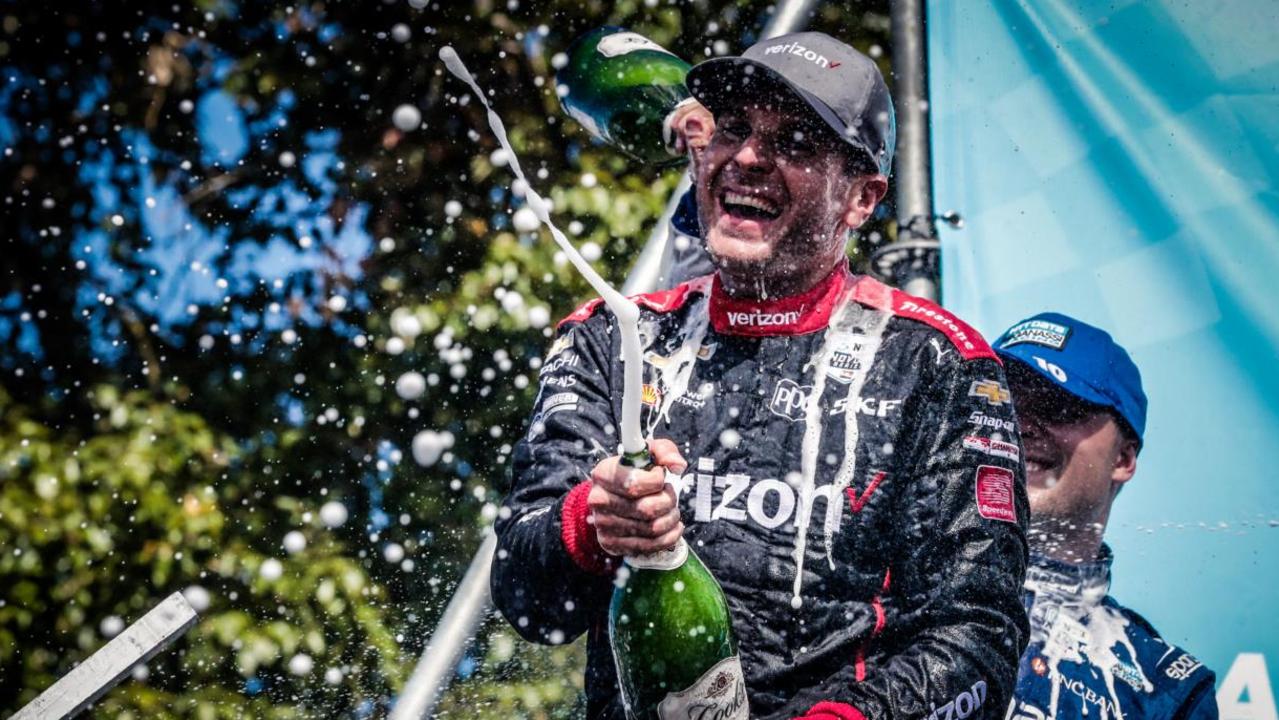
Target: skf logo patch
995, 493
992, 391
650, 396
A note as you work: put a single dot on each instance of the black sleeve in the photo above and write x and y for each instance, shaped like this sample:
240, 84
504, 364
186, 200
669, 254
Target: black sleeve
954, 624
549, 574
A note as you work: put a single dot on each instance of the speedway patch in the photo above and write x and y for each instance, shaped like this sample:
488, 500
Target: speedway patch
995, 493
851, 356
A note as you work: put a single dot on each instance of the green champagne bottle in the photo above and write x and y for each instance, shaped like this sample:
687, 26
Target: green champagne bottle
672, 637
623, 87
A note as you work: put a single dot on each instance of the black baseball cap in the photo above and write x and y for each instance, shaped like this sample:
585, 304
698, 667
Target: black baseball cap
841, 85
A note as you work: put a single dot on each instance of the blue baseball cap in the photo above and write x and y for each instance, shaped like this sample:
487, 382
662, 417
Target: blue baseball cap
1082, 360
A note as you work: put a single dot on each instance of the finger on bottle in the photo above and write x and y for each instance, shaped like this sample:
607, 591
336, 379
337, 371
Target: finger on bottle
666, 453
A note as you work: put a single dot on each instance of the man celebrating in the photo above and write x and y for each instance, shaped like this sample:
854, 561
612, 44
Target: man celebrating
1083, 414
847, 460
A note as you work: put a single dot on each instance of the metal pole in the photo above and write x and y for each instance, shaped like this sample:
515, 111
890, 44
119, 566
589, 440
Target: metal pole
652, 270
89, 680
912, 261
462, 618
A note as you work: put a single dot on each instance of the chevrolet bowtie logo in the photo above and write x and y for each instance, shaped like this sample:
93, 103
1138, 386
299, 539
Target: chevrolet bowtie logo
991, 391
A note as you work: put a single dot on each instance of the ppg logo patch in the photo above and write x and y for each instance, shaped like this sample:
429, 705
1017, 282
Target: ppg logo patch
790, 400
1037, 332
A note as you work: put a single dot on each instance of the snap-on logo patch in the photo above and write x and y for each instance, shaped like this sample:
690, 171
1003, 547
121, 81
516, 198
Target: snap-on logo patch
995, 493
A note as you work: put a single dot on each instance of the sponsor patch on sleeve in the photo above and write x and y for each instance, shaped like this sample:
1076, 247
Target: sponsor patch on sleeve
992, 447
992, 391
1183, 667
995, 493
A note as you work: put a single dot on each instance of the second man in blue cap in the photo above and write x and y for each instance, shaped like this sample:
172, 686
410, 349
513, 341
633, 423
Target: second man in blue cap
1082, 412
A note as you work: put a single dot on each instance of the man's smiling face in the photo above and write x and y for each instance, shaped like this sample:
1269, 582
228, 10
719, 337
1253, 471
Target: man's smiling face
1077, 457
775, 197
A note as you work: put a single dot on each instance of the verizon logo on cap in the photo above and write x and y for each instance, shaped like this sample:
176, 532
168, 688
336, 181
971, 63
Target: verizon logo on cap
794, 48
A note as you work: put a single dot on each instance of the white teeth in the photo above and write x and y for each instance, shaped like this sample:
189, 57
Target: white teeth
732, 198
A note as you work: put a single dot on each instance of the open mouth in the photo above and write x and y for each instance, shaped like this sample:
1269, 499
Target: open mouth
749, 207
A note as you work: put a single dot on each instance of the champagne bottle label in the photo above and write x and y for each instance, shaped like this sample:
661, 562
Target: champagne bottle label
720, 694
627, 42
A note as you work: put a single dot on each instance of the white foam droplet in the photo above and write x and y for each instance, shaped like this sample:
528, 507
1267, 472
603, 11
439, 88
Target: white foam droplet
271, 569
197, 597
294, 542
111, 626
333, 514
410, 385
525, 220
429, 445
406, 118
301, 664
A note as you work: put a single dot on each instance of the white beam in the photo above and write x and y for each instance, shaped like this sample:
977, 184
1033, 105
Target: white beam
89, 680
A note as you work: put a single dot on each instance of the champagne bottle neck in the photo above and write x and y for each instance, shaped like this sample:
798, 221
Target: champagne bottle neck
672, 559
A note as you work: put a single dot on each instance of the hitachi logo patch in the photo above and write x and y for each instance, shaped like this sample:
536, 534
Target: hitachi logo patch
794, 48
759, 319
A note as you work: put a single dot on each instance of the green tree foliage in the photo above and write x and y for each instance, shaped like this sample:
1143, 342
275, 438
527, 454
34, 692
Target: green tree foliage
223, 269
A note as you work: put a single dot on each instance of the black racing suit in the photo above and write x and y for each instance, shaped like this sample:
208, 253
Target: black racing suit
910, 487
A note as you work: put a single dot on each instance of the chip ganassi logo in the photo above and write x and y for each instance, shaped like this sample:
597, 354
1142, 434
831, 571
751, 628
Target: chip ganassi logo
756, 318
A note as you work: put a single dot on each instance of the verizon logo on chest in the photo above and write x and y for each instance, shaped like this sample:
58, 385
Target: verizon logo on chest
756, 318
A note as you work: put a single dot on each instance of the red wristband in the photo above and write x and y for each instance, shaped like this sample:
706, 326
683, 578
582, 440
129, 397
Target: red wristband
578, 533
827, 710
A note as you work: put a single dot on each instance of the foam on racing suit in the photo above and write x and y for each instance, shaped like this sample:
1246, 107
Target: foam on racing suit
910, 487
1090, 657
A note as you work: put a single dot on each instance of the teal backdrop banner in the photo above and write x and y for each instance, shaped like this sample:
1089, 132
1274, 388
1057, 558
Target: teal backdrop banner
1117, 161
